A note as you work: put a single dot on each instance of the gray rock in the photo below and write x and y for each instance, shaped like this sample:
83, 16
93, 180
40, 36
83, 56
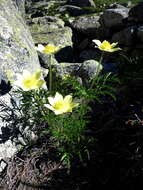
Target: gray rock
140, 33
136, 12
81, 3
42, 8
114, 17
7, 147
73, 10
21, 6
6, 151
45, 23
125, 37
64, 69
17, 52
117, 6
87, 25
40, 4
89, 69
86, 71
46, 59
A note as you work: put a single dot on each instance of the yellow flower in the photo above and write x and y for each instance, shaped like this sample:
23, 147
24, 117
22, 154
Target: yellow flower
106, 46
48, 49
29, 81
60, 105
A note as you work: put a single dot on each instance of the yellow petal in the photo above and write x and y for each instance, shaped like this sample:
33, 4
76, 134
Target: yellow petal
60, 105
49, 49
68, 99
115, 49
105, 45
75, 104
40, 83
114, 44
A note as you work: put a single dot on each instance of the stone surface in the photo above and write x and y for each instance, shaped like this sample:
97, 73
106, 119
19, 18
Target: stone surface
21, 6
136, 12
86, 70
117, 6
125, 37
46, 59
114, 17
65, 69
87, 25
89, 69
17, 52
51, 30
73, 10
43, 8
7, 150
41, 24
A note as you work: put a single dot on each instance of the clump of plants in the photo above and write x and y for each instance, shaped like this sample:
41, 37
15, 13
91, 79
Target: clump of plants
64, 111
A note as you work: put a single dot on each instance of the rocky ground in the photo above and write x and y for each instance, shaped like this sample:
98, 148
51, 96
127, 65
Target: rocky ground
116, 160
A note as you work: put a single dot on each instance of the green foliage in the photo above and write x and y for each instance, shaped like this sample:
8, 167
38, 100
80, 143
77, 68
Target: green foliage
66, 132
98, 87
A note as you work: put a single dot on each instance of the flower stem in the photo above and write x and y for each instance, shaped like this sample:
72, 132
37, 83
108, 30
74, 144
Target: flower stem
39, 103
50, 74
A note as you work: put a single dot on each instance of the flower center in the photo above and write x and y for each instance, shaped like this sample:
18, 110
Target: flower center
106, 45
59, 105
28, 83
49, 49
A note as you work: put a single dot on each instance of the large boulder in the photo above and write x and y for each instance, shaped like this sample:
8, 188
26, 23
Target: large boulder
113, 18
125, 37
21, 5
17, 52
87, 25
